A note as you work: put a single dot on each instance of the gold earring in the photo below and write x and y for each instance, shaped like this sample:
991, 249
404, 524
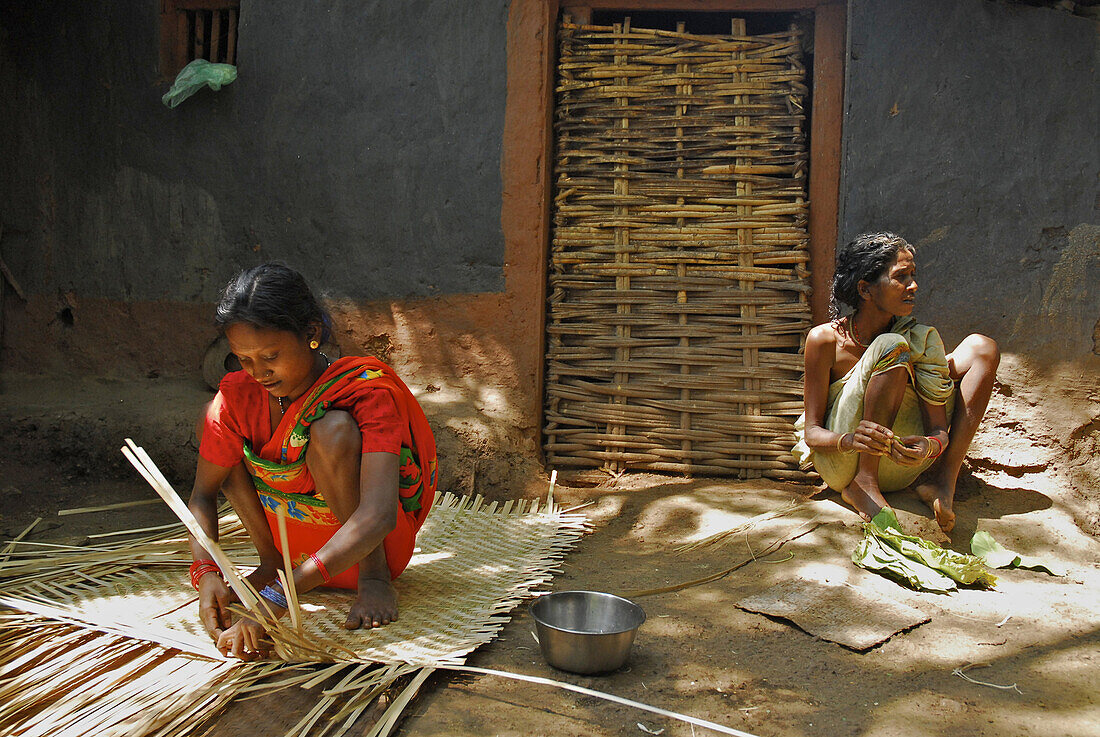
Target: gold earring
314, 345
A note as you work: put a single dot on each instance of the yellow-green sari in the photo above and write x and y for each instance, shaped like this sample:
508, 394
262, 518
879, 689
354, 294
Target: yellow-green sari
920, 350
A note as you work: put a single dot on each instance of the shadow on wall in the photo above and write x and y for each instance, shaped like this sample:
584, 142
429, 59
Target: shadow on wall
1060, 316
459, 358
465, 364
106, 370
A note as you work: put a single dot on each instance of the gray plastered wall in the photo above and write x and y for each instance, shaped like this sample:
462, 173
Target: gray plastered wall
361, 143
971, 128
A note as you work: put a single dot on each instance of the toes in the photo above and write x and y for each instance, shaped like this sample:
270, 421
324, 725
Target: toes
368, 621
944, 517
381, 620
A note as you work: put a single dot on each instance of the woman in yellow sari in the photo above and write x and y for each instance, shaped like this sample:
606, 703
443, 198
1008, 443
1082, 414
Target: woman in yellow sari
885, 404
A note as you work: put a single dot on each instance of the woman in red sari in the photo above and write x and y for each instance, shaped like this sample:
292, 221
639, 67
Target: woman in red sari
342, 447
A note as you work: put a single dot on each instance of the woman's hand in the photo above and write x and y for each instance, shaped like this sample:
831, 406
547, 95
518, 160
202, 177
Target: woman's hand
870, 437
910, 450
247, 640
214, 597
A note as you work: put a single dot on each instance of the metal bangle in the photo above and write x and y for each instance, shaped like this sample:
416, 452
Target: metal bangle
274, 596
939, 452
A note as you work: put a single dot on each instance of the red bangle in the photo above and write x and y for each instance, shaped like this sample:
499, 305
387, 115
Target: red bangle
320, 567
938, 444
200, 568
198, 573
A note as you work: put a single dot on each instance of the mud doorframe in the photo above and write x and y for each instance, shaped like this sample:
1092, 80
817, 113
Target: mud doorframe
529, 139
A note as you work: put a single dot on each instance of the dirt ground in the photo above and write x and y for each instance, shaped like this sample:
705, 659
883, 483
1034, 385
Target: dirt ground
1031, 483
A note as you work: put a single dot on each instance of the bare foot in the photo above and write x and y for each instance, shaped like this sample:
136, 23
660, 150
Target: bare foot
866, 501
940, 499
376, 605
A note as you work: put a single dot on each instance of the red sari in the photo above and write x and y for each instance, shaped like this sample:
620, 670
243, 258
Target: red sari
390, 420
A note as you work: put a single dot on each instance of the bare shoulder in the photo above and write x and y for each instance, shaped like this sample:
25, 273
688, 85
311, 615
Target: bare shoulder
821, 350
821, 336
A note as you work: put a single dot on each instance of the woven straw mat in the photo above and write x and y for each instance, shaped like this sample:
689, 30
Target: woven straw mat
474, 563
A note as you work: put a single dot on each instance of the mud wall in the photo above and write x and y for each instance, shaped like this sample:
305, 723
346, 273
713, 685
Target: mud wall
970, 128
407, 174
369, 144
361, 142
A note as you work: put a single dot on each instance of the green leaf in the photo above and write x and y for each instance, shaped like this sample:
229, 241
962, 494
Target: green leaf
920, 563
966, 569
874, 555
995, 555
991, 552
885, 519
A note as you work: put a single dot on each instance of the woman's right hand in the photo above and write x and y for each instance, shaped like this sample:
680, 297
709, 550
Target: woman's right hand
214, 605
870, 437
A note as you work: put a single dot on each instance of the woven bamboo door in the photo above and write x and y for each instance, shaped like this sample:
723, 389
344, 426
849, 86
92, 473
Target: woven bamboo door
678, 280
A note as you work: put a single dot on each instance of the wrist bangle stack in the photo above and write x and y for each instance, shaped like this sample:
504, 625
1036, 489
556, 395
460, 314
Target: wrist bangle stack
320, 567
840, 442
276, 597
939, 452
200, 568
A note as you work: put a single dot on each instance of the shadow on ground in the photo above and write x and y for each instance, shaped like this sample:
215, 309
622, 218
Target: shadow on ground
699, 654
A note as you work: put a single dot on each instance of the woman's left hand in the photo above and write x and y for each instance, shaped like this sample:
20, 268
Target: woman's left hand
247, 640
910, 450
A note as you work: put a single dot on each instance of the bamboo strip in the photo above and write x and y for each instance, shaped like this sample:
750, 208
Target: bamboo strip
286, 576
722, 729
390, 717
15, 541
105, 507
145, 466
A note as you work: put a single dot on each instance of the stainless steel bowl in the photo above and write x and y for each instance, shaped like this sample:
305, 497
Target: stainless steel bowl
586, 631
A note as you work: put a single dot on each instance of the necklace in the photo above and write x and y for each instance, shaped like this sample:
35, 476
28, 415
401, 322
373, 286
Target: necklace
282, 400
852, 332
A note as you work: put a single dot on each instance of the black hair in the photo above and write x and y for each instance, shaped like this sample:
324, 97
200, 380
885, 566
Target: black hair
272, 296
865, 258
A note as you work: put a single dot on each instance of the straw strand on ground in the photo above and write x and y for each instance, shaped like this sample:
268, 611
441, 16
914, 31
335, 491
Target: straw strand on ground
773, 547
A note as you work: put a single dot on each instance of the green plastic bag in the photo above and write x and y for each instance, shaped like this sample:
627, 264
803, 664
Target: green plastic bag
922, 564
994, 555
196, 75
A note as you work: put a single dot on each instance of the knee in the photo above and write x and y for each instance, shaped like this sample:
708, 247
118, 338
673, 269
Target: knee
984, 349
890, 341
888, 344
336, 435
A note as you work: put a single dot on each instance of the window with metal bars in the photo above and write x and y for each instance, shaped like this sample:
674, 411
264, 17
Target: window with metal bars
197, 29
